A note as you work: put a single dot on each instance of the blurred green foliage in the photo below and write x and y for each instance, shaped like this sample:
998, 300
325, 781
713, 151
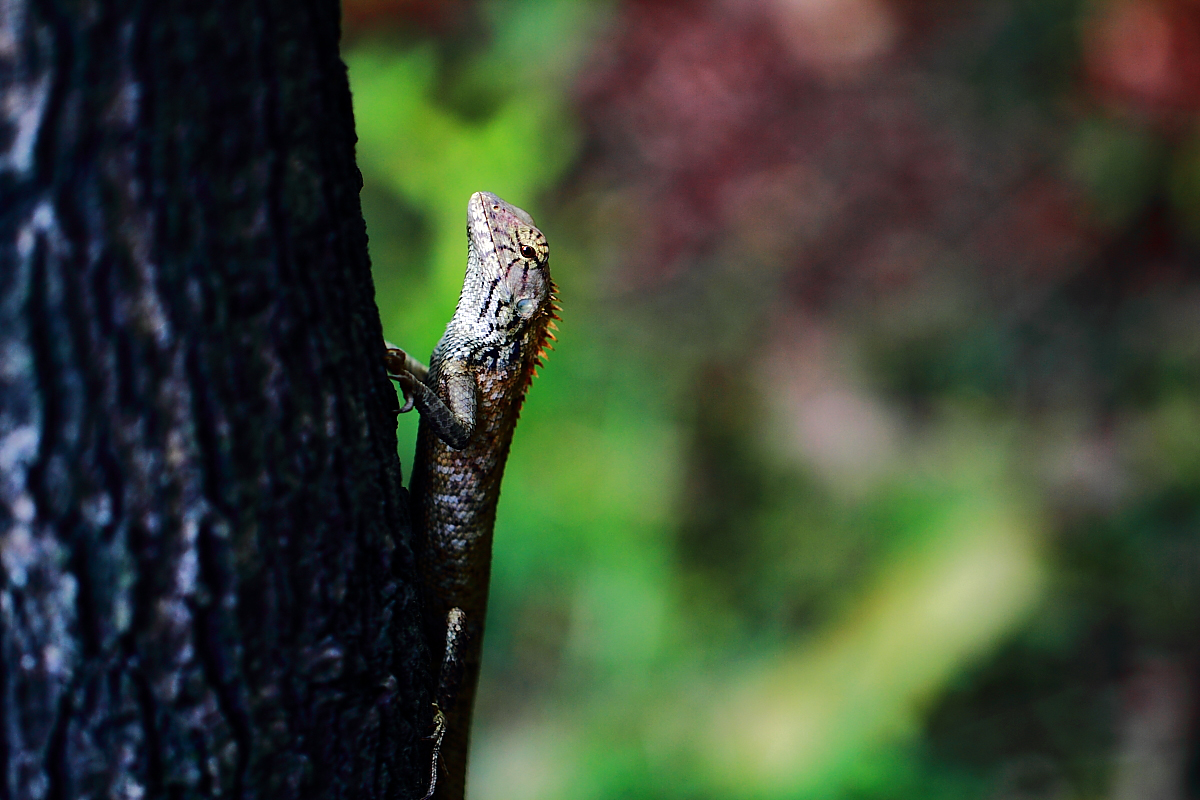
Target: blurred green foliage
698, 590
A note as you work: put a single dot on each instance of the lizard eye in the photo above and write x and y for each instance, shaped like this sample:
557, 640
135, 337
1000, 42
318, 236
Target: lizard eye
526, 306
528, 252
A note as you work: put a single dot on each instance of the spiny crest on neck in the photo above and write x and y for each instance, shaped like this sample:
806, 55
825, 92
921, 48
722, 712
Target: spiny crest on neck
543, 331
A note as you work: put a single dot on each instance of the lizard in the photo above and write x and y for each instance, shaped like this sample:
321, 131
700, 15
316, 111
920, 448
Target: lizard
469, 398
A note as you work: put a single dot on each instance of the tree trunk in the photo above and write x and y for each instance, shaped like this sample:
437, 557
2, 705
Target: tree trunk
206, 586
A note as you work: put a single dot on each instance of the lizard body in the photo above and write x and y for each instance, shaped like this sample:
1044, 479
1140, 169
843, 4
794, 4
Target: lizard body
469, 399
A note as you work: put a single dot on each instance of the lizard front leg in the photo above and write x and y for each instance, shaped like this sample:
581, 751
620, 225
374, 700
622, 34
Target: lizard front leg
453, 419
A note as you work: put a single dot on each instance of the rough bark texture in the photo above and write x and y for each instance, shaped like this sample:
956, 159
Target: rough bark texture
205, 577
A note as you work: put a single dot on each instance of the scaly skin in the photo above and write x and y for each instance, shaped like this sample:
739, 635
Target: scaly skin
469, 399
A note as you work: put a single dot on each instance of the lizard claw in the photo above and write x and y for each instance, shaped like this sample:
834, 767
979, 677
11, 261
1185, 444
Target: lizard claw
397, 363
396, 360
405, 381
408, 401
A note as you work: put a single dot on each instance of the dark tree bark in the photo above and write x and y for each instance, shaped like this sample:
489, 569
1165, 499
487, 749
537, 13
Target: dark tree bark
205, 577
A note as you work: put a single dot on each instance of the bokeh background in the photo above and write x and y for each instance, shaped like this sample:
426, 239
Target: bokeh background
866, 465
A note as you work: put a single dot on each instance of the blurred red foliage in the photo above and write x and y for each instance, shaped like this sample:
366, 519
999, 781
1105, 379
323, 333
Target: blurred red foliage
815, 133
429, 16
1145, 55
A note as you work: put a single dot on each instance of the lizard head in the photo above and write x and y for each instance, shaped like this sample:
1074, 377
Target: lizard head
514, 263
